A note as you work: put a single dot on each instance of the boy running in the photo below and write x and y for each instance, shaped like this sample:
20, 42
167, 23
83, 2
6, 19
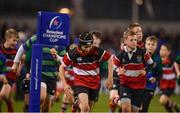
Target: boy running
131, 62
49, 72
86, 63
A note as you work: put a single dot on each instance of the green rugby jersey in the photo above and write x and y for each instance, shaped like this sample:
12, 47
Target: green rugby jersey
49, 65
178, 59
3, 68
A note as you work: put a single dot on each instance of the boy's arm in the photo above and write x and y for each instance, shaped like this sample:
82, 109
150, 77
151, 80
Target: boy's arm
109, 82
56, 56
67, 88
17, 58
176, 66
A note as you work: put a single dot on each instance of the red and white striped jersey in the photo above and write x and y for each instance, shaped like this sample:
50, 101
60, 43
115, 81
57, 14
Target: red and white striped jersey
134, 63
86, 67
168, 77
69, 75
9, 54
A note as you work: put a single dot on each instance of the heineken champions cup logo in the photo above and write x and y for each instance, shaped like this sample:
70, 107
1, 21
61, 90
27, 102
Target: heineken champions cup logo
53, 32
55, 23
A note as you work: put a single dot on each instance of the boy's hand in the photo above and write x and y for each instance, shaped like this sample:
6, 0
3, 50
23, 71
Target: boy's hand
14, 67
5, 81
27, 76
68, 91
121, 70
54, 53
142, 72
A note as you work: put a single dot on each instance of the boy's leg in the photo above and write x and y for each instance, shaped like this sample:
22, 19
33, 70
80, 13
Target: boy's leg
147, 97
112, 94
84, 95
75, 105
26, 103
84, 102
6, 95
25, 88
48, 86
137, 99
43, 97
165, 100
64, 104
125, 99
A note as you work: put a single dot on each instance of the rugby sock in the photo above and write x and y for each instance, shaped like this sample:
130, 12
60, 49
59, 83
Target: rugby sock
9, 106
25, 108
64, 106
175, 107
167, 107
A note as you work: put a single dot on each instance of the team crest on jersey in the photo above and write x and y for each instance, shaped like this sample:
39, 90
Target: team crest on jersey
123, 60
139, 59
79, 59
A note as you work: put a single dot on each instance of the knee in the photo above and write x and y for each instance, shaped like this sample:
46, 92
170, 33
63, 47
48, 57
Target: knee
163, 100
43, 97
3, 97
125, 107
42, 100
84, 107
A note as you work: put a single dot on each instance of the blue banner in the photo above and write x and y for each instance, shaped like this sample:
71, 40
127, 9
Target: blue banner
35, 81
53, 28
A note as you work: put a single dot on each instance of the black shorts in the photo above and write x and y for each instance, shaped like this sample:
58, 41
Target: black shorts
51, 84
147, 97
10, 82
26, 86
168, 92
134, 95
92, 93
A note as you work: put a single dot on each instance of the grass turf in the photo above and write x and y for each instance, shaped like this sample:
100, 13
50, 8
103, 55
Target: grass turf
101, 105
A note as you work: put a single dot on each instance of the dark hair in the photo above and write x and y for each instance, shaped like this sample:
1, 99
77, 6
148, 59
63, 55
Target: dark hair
168, 46
97, 34
85, 38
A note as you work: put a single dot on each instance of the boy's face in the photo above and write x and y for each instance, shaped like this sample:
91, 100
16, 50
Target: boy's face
12, 41
131, 41
164, 52
151, 46
86, 48
138, 32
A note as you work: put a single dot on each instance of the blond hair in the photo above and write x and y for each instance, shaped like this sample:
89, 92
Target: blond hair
127, 33
152, 38
133, 25
11, 33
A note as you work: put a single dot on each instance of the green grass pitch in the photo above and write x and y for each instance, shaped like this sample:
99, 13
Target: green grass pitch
101, 105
